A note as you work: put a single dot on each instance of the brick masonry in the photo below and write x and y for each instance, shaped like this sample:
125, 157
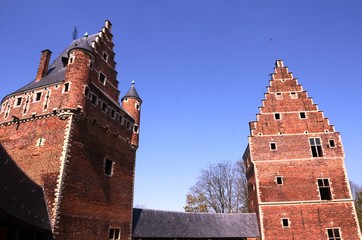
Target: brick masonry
283, 171
61, 134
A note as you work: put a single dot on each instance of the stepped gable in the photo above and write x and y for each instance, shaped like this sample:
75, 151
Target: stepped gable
149, 223
287, 108
20, 197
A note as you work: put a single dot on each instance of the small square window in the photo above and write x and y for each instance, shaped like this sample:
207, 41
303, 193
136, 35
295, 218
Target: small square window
114, 234
302, 115
104, 107
135, 128
86, 91
332, 143
278, 96
102, 78
293, 95
113, 113
120, 119
279, 180
285, 222
94, 99
66, 87
277, 116
37, 97
333, 234
108, 167
273, 146
105, 56
18, 101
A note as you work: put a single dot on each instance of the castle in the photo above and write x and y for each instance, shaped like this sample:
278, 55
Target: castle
68, 150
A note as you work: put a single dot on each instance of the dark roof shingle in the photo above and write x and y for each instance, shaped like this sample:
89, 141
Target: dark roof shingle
164, 224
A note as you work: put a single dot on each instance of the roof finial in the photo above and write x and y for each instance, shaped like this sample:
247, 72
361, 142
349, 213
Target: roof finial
75, 33
132, 82
86, 34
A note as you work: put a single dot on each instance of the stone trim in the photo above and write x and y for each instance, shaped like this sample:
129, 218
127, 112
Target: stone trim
62, 173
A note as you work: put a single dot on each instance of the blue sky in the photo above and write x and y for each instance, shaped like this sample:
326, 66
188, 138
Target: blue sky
201, 68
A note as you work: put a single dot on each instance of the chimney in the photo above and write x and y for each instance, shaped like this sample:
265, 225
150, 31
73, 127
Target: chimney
43, 64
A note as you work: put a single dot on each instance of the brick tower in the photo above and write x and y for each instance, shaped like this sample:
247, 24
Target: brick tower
67, 131
297, 179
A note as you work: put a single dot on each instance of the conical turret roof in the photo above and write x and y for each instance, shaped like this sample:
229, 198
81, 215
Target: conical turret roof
132, 92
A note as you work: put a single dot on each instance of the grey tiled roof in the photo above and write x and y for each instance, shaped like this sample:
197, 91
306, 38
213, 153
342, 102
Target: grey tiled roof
56, 70
164, 224
132, 92
20, 197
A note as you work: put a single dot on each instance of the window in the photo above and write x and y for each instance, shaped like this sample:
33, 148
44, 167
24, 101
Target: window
113, 113
316, 147
105, 56
114, 234
293, 95
135, 128
273, 146
104, 107
279, 180
333, 234
324, 189
279, 96
66, 87
86, 91
18, 101
331, 143
285, 222
37, 97
120, 119
102, 78
277, 116
108, 168
302, 115
94, 99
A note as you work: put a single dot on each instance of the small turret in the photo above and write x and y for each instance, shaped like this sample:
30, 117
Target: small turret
80, 60
131, 102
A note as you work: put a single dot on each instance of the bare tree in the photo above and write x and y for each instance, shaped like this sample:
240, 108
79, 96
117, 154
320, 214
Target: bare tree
357, 197
221, 188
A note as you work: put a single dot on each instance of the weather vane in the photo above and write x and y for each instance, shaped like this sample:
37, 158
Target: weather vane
75, 33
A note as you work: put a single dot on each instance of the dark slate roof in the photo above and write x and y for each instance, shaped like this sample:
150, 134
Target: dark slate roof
56, 70
20, 197
132, 92
164, 224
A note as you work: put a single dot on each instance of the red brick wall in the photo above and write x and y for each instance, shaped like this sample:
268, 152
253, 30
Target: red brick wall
298, 197
40, 163
93, 201
309, 221
83, 201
